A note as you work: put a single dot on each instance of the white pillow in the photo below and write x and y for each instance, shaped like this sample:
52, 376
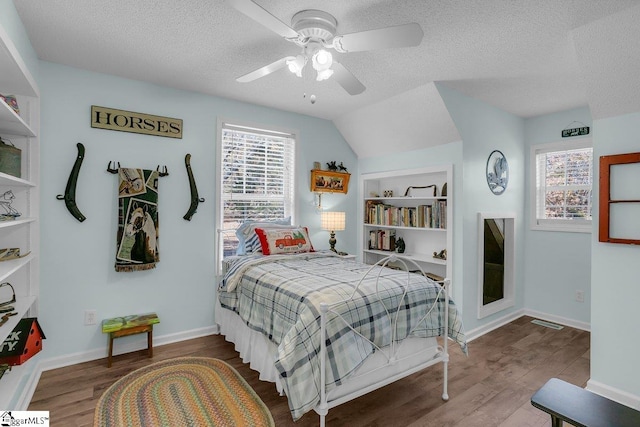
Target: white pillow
245, 231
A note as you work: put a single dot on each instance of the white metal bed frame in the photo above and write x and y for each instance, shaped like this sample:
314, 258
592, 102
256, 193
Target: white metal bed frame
390, 353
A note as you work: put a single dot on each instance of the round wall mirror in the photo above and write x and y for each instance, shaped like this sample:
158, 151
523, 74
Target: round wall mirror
497, 172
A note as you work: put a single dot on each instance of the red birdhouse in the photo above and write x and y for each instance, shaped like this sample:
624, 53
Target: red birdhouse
22, 343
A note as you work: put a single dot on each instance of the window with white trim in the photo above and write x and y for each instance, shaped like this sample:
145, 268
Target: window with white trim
563, 177
256, 178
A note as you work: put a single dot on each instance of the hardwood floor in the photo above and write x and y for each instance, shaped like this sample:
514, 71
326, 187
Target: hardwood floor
490, 387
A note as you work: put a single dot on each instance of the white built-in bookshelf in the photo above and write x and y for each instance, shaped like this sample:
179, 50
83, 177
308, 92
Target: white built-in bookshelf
20, 129
394, 206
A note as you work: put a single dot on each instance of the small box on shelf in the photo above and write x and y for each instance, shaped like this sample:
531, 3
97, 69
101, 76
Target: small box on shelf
10, 159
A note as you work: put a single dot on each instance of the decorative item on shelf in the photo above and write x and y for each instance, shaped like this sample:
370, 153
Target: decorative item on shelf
329, 182
5, 317
316, 165
332, 222
12, 102
10, 212
7, 254
440, 255
400, 245
434, 277
70, 190
10, 158
388, 193
5, 303
443, 193
579, 131
332, 166
4, 367
497, 172
195, 199
414, 191
23, 343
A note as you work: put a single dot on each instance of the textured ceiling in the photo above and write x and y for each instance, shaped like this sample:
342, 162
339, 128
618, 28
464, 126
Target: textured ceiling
518, 55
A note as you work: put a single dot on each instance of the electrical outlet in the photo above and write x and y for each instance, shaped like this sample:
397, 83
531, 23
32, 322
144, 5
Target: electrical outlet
90, 317
580, 295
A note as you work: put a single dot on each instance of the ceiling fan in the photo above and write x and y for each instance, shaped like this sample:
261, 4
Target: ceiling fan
315, 31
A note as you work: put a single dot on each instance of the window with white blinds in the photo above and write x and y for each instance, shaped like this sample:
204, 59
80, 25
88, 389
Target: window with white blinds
563, 186
257, 178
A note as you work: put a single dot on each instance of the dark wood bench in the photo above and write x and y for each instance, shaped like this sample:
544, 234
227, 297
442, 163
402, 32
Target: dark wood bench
582, 408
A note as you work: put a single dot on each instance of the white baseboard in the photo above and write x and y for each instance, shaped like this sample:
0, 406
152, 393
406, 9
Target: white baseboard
614, 394
558, 319
99, 353
495, 324
141, 344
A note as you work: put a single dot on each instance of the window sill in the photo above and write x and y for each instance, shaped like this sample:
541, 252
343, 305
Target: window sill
562, 228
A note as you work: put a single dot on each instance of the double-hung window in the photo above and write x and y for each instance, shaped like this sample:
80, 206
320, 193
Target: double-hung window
256, 178
563, 177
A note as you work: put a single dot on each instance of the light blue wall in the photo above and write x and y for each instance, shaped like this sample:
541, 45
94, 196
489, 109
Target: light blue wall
615, 287
446, 154
78, 258
558, 263
483, 129
11, 23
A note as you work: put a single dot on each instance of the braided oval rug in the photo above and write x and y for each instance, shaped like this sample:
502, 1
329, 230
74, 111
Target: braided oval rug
185, 391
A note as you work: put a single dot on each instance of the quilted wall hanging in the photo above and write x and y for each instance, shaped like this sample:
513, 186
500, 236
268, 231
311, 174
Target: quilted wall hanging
137, 239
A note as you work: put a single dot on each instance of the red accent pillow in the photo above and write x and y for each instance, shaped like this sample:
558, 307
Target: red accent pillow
284, 240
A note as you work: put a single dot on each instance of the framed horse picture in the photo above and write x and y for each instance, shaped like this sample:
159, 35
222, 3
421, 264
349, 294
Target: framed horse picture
329, 181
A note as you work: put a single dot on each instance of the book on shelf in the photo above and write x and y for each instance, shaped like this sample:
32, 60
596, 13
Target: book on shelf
382, 240
423, 216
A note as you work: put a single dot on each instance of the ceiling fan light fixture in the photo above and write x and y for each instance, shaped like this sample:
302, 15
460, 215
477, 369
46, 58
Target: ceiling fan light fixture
324, 74
296, 65
322, 60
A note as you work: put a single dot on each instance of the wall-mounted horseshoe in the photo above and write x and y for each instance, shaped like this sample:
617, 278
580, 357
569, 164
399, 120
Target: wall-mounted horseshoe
70, 191
194, 190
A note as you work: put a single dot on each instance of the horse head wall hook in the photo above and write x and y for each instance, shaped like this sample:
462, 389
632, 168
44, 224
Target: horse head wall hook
113, 170
164, 171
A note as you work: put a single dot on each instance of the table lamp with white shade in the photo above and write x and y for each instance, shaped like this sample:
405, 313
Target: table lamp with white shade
332, 221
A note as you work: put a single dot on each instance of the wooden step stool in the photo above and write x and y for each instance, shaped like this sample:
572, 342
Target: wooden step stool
130, 325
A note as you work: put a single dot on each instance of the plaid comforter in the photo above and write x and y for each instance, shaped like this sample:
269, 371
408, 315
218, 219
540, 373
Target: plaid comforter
280, 296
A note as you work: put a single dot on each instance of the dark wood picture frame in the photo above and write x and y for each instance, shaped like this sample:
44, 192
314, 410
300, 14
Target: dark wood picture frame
329, 181
606, 162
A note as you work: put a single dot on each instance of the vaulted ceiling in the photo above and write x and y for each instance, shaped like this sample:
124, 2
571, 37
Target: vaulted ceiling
527, 58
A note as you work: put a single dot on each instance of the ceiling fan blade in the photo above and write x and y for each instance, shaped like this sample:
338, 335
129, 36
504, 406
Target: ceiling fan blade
258, 14
267, 69
347, 80
382, 38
